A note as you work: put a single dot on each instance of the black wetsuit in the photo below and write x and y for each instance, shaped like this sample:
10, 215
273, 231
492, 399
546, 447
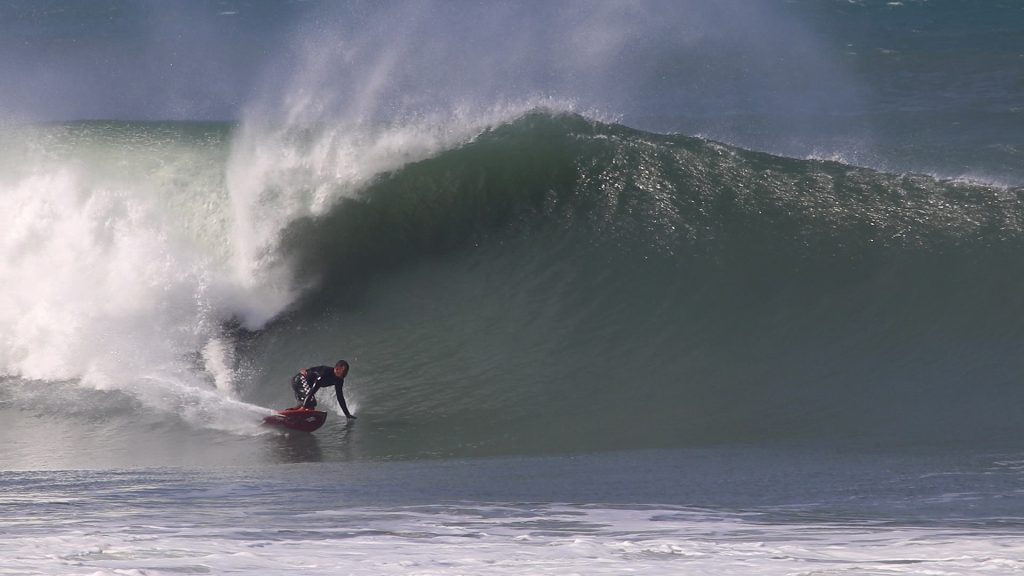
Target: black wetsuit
318, 377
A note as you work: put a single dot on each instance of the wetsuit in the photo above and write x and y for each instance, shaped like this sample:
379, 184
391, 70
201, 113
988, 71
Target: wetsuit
317, 377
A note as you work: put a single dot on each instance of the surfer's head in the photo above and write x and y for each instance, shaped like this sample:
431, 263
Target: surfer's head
341, 368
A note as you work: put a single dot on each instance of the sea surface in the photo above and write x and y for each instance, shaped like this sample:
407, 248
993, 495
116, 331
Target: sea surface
626, 288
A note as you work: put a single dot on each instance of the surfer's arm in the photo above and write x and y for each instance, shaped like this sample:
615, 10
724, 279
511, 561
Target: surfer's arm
341, 402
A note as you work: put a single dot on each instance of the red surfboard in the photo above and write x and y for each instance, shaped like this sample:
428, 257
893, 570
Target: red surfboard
297, 419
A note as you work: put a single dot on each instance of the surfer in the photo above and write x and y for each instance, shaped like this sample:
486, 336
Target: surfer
306, 383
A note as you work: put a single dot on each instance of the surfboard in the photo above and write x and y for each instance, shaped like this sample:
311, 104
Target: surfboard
297, 419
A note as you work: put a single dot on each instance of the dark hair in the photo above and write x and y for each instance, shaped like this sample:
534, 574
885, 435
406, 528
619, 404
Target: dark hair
341, 363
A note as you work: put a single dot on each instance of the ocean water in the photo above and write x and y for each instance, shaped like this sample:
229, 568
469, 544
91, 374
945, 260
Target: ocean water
647, 287
718, 511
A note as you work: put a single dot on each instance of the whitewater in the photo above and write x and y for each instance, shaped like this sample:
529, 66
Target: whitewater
657, 287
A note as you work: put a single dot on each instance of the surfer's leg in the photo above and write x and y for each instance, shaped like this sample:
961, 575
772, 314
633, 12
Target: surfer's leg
300, 387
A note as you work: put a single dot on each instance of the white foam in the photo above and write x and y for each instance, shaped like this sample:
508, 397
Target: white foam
107, 282
495, 540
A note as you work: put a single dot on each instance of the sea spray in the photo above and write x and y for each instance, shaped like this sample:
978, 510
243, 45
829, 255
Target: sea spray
362, 90
111, 279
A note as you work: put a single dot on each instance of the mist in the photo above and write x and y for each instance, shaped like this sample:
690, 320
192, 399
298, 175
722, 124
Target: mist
654, 64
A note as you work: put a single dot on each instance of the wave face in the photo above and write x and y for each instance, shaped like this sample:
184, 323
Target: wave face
549, 283
564, 284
